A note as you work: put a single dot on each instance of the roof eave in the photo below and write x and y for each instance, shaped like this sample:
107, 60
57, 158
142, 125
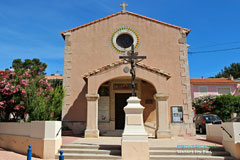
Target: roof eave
115, 14
214, 82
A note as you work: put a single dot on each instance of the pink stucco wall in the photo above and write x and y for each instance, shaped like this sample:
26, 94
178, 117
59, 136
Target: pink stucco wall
212, 89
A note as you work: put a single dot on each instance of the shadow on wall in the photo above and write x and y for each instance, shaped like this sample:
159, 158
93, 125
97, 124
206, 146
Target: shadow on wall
147, 100
77, 113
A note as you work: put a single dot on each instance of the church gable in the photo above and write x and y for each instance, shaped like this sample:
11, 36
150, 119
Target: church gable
129, 13
98, 39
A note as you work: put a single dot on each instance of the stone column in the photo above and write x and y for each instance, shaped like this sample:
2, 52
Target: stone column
163, 129
92, 116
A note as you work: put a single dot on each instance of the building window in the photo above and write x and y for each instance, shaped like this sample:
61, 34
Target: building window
203, 90
223, 90
123, 38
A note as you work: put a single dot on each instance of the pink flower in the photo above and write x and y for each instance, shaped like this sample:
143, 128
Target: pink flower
6, 88
16, 108
24, 82
23, 91
26, 74
12, 101
2, 103
48, 84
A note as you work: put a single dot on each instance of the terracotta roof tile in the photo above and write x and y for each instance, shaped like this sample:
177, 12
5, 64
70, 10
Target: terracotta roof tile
54, 77
120, 62
211, 80
127, 12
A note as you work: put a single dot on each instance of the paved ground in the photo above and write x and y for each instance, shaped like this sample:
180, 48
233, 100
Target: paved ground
9, 155
173, 142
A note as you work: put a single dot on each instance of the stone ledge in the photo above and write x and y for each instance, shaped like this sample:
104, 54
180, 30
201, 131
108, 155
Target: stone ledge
92, 97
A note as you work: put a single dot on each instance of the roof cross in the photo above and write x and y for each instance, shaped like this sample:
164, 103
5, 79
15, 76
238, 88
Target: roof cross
124, 5
133, 58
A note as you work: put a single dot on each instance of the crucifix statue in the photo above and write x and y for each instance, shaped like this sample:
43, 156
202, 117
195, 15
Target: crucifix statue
124, 5
133, 58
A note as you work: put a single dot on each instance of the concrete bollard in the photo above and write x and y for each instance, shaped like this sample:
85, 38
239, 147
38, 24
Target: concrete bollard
29, 153
61, 157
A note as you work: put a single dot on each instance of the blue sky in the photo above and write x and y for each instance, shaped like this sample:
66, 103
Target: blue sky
31, 28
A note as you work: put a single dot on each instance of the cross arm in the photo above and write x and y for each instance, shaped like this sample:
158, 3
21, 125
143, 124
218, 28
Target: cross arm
135, 57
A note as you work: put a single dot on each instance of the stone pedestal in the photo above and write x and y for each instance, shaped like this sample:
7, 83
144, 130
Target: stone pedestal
92, 116
233, 115
134, 138
163, 127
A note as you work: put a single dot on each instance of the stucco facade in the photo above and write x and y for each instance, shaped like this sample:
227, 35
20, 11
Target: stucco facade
213, 86
163, 78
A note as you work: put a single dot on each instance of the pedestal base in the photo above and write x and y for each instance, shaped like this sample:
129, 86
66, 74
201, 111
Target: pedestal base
135, 149
91, 133
134, 138
163, 134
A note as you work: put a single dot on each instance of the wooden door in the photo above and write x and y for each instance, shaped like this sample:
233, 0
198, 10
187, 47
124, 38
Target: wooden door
120, 103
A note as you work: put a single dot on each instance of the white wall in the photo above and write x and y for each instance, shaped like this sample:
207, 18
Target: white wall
214, 132
46, 130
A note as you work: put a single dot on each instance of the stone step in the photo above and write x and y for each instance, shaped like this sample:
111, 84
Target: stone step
175, 148
188, 152
80, 146
91, 147
114, 133
83, 159
88, 156
190, 157
87, 151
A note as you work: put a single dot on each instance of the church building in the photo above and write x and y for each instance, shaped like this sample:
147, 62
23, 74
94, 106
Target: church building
98, 83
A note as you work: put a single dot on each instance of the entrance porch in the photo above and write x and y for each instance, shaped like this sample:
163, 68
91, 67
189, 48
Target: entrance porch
113, 96
108, 89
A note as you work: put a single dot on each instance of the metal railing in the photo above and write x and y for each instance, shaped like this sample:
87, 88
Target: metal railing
59, 131
226, 132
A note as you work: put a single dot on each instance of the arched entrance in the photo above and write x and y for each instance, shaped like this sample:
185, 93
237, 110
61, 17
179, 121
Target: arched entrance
112, 99
106, 75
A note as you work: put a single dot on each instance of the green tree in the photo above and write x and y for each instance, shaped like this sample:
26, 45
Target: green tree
233, 69
34, 65
224, 105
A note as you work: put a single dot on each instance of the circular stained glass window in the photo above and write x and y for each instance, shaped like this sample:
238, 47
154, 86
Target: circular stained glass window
124, 40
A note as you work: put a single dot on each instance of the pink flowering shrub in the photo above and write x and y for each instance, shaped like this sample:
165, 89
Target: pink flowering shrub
27, 92
203, 104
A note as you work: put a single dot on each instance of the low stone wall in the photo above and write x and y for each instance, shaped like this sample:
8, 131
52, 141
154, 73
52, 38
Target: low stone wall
228, 134
214, 133
183, 129
44, 136
231, 138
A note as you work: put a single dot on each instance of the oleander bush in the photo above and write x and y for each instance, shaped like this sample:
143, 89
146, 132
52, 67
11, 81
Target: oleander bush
203, 104
222, 105
25, 93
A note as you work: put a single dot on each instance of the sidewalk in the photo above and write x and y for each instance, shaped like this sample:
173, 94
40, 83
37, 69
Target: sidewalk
9, 155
